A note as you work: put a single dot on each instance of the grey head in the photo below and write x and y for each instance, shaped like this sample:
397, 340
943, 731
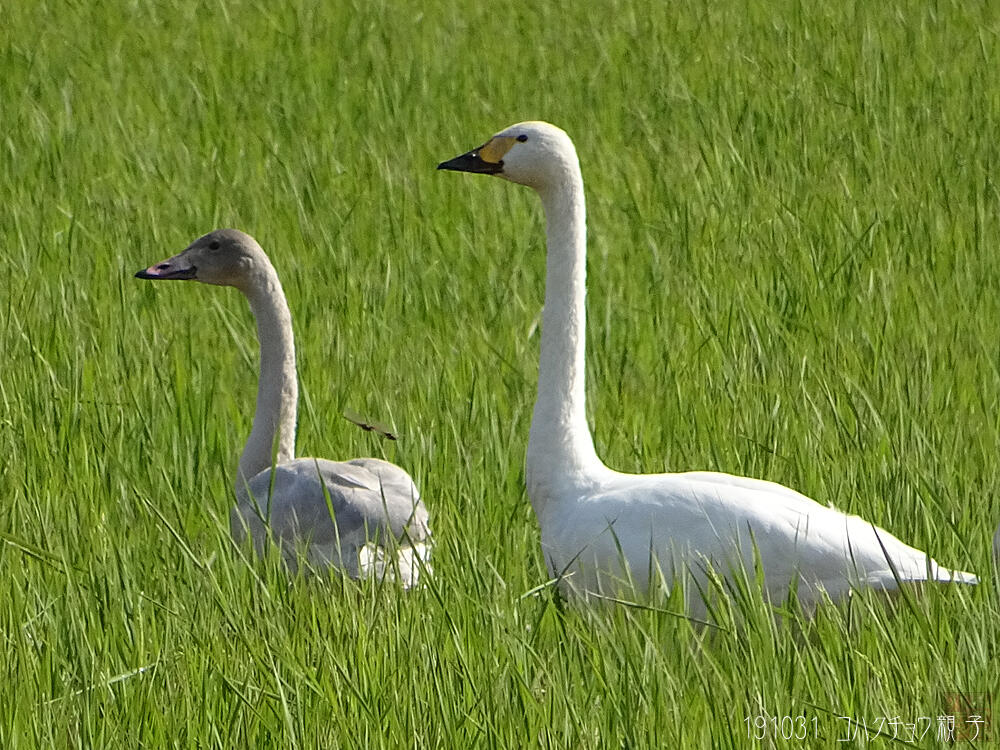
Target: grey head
225, 257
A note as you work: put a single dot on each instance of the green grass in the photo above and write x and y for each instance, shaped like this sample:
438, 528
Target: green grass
793, 238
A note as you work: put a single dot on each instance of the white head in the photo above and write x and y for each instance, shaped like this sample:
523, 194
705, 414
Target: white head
226, 257
533, 153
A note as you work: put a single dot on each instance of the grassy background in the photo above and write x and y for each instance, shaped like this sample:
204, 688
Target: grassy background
793, 275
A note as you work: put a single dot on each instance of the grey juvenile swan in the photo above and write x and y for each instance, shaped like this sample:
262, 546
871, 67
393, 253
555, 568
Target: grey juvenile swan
603, 530
370, 520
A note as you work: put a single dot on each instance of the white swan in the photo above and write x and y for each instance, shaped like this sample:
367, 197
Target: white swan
362, 516
603, 530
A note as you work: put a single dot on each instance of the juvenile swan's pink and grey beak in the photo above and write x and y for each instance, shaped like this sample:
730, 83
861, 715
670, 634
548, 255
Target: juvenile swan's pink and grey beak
171, 269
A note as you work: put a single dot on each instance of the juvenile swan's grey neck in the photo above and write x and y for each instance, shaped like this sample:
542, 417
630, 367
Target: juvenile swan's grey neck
560, 447
277, 388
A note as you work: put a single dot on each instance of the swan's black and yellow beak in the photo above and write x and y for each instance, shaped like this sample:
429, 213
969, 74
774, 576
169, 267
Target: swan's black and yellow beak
171, 269
472, 161
487, 159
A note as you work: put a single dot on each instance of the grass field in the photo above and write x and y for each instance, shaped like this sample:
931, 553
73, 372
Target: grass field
794, 226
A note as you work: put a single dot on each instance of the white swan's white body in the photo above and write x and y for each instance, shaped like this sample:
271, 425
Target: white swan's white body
364, 516
604, 531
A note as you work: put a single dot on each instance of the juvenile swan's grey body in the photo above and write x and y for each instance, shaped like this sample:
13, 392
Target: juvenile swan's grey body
362, 516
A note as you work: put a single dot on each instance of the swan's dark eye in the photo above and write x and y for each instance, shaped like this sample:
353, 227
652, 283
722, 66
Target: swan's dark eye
213, 245
522, 138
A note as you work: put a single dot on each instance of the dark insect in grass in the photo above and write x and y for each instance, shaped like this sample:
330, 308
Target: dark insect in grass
368, 425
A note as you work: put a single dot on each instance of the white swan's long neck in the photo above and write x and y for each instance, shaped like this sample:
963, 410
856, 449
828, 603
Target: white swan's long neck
273, 433
560, 447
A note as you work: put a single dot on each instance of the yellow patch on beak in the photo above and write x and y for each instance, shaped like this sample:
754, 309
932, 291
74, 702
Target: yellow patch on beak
497, 147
